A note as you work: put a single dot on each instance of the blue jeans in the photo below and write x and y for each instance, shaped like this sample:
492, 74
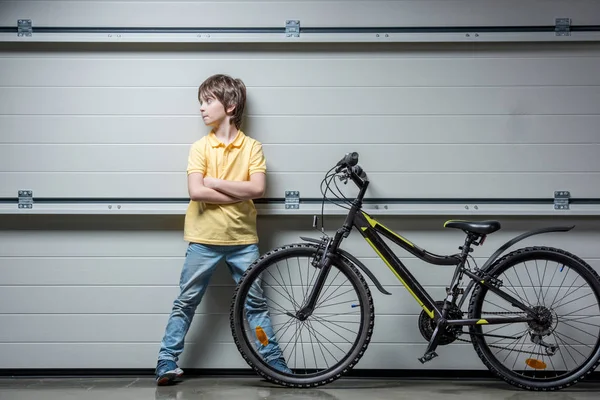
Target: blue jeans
200, 263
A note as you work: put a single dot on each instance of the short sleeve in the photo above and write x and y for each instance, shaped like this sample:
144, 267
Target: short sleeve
196, 158
258, 163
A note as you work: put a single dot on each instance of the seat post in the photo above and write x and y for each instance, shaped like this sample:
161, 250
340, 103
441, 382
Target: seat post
466, 248
453, 289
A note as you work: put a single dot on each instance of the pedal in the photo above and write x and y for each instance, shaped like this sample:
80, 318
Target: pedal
428, 357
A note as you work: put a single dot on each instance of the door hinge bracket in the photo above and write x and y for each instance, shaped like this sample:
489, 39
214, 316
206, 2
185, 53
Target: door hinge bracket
25, 198
24, 27
561, 199
292, 199
562, 26
292, 28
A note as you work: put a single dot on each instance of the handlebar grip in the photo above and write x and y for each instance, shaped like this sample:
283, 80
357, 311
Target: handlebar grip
351, 159
357, 169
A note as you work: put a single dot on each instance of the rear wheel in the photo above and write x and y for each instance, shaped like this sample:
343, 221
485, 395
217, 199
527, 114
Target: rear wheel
318, 349
562, 344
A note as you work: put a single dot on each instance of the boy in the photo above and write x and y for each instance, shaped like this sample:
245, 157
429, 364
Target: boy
226, 170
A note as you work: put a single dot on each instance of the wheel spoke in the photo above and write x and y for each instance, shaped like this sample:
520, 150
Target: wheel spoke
529, 359
312, 344
532, 285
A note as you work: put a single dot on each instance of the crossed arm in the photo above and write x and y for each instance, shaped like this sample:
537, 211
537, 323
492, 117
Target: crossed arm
220, 191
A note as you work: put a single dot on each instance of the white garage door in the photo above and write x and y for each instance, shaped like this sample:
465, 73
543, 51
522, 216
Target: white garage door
98, 125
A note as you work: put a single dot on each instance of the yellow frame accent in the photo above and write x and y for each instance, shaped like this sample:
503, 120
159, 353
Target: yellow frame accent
429, 312
454, 220
373, 223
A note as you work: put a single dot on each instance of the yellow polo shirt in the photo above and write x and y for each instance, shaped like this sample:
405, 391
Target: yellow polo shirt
224, 224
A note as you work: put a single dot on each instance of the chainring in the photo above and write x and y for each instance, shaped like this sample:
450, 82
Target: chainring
427, 325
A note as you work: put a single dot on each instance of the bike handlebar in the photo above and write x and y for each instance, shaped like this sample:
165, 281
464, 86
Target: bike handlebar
357, 169
350, 162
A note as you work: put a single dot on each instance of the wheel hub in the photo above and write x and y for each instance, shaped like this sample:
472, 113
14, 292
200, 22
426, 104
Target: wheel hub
543, 322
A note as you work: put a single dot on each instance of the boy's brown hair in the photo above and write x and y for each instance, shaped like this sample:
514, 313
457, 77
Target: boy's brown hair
229, 92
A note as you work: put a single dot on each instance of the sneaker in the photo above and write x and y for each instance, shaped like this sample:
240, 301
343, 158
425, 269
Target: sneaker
280, 365
166, 372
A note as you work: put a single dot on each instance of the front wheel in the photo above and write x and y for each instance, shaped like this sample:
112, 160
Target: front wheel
561, 345
294, 351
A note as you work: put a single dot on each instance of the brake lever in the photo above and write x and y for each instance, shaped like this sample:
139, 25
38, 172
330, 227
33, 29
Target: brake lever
344, 177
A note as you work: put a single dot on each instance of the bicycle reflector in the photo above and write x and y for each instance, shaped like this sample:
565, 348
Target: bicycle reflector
535, 364
262, 336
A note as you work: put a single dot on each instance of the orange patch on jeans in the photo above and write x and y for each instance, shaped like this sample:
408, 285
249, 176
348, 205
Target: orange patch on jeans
262, 336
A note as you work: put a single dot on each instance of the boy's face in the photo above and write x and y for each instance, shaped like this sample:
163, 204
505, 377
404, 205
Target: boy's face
213, 112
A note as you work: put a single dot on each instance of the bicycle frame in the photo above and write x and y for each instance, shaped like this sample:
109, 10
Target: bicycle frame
372, 230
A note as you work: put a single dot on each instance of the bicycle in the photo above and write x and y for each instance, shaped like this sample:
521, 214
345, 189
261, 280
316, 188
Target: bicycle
513, 323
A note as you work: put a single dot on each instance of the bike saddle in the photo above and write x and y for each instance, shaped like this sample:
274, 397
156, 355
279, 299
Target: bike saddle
480, 227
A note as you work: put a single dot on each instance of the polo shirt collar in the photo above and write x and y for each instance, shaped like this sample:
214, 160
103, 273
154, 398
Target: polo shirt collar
237, 142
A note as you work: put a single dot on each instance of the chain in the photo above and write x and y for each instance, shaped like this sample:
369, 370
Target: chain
497, 347
498, 312
491, 345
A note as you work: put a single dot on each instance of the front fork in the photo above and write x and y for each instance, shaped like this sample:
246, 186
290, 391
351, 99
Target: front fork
324, 265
